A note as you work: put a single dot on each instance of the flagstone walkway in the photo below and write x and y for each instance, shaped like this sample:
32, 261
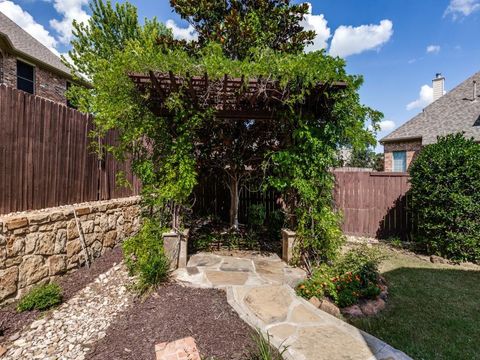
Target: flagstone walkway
260, 289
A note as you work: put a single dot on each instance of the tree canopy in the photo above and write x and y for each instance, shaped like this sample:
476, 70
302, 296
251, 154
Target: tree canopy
240, 25
168, 152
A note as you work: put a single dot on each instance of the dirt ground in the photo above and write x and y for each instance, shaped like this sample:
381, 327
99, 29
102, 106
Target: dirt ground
175, 312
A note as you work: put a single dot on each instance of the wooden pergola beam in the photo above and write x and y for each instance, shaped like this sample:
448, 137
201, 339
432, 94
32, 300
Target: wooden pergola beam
231, 97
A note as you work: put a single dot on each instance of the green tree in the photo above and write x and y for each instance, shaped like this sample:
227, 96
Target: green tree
240, 25
166, 150
445, 180
365, 158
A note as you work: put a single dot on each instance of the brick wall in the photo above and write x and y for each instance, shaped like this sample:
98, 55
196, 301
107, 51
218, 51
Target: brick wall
38, 246
9, 70
50, 86
47, 84
411, 147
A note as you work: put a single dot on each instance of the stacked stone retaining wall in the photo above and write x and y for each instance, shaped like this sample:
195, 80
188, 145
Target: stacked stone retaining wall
38, 246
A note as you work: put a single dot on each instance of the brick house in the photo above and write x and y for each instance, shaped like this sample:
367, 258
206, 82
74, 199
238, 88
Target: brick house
28, 65
456, 111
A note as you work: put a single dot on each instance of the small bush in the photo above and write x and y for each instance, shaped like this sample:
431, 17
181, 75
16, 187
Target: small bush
354, 276
256, 215
145, 257
41, 298
264, 349
445, 179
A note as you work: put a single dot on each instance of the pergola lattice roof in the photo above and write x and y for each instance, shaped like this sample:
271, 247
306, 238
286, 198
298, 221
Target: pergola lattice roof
230, 97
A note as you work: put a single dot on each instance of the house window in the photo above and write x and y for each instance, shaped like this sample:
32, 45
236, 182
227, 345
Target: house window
25, 77
399, 161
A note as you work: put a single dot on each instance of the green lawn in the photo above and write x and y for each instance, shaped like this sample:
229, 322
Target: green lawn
433, 310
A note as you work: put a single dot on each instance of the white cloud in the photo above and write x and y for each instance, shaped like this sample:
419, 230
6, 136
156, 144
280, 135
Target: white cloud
387, 125
318, 23
458, 8
188, 33
433, 49
70, 10
425, 97
349, 40
27, 23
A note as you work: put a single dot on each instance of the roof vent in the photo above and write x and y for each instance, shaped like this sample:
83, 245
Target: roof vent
438, 85
474, 90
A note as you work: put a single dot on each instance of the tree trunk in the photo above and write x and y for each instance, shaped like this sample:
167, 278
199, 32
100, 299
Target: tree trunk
234, 201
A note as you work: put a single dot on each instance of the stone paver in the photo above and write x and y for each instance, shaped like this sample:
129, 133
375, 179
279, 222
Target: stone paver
260, 289
182, 349
210, 270
69, 331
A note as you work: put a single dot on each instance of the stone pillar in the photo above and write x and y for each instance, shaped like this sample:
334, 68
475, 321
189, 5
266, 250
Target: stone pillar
288, 241
175, 245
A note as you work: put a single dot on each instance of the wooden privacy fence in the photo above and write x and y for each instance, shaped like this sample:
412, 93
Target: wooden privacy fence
373, 204
45, 157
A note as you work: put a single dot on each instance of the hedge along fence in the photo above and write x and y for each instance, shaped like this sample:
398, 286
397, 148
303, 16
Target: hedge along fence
45, 157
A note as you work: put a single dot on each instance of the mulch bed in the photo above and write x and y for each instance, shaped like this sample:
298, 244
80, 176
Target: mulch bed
175, 312
11, 322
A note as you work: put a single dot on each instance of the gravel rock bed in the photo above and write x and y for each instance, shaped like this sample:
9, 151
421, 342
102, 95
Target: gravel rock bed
12, 322
69, 331
175, 312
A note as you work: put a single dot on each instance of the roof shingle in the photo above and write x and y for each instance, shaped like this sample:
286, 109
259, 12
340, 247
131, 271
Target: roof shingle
24, 43
454, 112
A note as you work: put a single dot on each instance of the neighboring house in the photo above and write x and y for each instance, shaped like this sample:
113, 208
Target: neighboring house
456, 111
28, 65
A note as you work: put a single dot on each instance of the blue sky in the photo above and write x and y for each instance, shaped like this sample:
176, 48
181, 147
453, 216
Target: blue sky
397, 45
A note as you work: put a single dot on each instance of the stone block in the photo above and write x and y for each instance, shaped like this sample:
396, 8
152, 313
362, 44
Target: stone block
72, 231
47, 227
31, 242
110, 239
171, 244
31, 270
15, 246
41, 218
88, 226
3, 256
8, 282
16, 223
183, 254
57, 264
60, 241
73, 247
96, 249
46, 244
288, 243
57, 216
83, 211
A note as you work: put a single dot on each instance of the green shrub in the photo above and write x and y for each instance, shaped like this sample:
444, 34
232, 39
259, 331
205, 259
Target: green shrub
145, 257
445, 191
352, 277
256, 215
41, 297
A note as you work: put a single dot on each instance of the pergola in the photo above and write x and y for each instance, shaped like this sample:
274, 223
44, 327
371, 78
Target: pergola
232, 98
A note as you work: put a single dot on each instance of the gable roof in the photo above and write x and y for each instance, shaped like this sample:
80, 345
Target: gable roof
452, 113
27, 46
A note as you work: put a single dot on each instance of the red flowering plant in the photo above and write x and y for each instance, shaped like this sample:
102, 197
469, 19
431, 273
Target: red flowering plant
353, 277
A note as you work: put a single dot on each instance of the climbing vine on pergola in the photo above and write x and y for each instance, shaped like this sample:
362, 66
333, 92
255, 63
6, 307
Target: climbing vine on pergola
249, 120
281, 116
